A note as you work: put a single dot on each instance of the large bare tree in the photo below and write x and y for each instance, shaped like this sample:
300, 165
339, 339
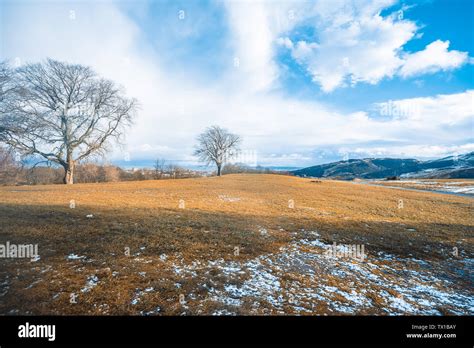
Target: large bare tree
63, 113
216, 145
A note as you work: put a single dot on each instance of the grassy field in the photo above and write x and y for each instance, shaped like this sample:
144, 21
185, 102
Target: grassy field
459, 186
238, 244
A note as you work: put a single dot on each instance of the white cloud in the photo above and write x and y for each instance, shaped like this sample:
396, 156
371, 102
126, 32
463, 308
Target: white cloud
412, 151
433, 58
356, 44
285, 42
176, 107
252, 43
427, 112
255, 28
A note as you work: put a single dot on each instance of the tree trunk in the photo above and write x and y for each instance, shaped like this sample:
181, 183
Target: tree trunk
69, 173
218, 170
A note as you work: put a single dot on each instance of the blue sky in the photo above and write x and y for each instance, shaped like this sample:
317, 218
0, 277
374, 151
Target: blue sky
303, 82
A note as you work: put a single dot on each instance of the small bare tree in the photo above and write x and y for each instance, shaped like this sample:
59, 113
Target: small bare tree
159, 168
10, 167
216, 145
63, 113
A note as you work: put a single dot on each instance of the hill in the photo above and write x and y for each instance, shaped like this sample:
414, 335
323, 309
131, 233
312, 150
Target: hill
378, 168
238, 244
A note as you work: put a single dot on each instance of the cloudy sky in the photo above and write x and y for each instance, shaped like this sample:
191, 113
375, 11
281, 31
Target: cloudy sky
303, 82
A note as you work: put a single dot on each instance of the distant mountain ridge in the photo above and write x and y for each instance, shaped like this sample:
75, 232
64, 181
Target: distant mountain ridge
461, 166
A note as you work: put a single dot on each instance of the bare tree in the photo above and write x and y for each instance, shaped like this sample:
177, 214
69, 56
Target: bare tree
172, 170
159, 168
5, 77
7, 87
10, 167
87, 172
63, 113
216, 145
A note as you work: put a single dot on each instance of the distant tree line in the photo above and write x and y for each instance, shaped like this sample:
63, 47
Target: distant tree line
242, 169
14, 171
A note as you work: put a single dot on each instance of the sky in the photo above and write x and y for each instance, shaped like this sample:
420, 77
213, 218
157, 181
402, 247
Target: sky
302, 82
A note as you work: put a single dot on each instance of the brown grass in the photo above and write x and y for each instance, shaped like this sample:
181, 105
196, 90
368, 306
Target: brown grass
220, 214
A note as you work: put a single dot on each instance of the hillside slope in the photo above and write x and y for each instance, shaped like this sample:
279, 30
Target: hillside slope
238, 244
378, 168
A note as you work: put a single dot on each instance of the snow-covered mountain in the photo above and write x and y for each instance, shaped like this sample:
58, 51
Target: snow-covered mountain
461, 166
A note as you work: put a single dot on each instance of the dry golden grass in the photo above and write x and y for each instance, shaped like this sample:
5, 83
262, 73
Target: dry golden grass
431, 184
220, 214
